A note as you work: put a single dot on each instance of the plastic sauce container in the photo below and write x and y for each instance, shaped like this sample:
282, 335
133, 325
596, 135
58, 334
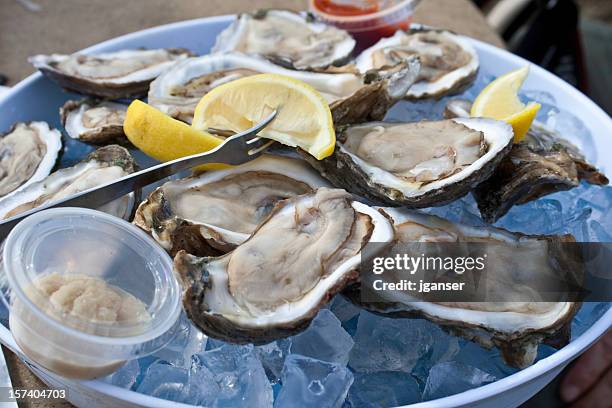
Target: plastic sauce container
87, 291
366, 20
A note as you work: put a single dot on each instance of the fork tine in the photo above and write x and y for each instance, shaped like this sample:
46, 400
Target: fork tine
256, 128
260, 149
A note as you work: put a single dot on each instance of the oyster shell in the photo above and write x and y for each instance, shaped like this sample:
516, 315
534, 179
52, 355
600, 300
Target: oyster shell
177, 91
243, 297
213, 212
449, 63
113, 75
515, 326
418, 164
293, 40
94, 121
106, 164
28, 152
541, 164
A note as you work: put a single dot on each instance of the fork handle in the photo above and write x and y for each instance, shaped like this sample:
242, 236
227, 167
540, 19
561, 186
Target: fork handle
99, 195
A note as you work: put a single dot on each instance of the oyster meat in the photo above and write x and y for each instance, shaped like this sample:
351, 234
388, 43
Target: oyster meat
542, 163
106, 164
269, 288
113, 75
351, 96
293, 40
419, 164
94, 121
518, 320
213, 212
28, 152
449, 63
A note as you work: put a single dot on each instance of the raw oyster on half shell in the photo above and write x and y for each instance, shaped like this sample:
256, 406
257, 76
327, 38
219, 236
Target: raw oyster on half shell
104, 165
94, 121
273, 284
416, 165
213, 212
352, 97
112, 75
540, 164
518, 320
28, 152
449, 63
293, 40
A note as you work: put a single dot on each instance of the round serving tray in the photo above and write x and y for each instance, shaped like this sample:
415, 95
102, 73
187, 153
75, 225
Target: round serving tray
36, 98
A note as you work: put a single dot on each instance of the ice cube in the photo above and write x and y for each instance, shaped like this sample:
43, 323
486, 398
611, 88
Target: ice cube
272, 357
489, 361
385, 388
239, 375
344, 309
588, 314
387, 344
444, 348
325, 340
308, 382
126, 376
451, 378
188, 341
165, 381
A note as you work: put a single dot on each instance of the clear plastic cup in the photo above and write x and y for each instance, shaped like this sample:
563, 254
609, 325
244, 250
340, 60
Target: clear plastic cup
69, 241
366, 20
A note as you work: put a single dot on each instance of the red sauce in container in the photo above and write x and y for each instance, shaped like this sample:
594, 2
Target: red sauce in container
366, 20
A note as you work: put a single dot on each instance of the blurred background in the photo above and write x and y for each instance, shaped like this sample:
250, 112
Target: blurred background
572, 38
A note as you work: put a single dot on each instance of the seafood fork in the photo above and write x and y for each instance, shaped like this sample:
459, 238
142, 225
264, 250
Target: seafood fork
237, 149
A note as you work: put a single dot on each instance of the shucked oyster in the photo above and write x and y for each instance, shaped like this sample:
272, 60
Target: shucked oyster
542, 163
286, 38
448, 61
216, 211
119, 74
273, 284
419, 164
93, 121
101, 166
352, 97
28, 152
516, 320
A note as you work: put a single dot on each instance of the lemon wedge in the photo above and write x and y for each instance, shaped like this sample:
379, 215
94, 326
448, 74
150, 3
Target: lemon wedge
303, 116
165, 138
500, 100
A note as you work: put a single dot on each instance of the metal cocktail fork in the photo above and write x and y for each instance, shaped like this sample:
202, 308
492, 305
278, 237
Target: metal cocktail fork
237, 149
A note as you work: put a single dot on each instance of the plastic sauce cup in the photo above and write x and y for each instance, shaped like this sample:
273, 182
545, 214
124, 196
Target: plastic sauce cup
87, 242
366, 20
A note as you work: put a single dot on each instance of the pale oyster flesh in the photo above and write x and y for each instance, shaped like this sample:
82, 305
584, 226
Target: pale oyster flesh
417, 152
540, 164
28, 153
215, 211
286, 38
448, 62
101, 166
511, 322
119, 74
94, 121
269, 288
416, 164
352, 97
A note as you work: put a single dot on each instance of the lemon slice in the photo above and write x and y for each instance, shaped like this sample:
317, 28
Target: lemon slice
500, 100
303, 118
164, 138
